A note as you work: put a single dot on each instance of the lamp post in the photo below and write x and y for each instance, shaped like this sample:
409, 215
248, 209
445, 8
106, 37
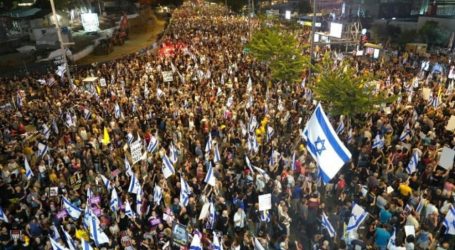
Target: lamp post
62, 44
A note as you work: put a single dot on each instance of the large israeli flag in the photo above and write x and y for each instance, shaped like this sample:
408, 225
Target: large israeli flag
449, 221
412, 165
358, 215
72, 210
324, 145
327, 225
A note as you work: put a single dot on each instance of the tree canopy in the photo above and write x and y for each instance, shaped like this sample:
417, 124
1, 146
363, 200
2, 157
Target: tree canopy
345, 91
280, 50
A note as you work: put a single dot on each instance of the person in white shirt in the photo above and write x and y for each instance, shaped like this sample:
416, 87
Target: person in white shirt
239, 220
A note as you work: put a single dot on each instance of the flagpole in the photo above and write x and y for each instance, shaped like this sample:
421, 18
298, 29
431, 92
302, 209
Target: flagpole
62, 44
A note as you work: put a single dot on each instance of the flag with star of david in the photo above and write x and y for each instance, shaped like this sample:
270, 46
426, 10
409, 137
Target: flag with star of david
324, 145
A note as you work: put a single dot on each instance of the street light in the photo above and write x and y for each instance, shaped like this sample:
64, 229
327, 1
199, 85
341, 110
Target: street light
62, 44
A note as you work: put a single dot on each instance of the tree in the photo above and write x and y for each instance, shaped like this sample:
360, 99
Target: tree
280, 50
344, 91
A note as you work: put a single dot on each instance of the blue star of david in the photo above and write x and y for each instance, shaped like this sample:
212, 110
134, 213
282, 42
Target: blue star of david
319, 144
354, 216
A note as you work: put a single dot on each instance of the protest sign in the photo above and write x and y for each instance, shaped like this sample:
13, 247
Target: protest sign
265, 202
136, 151
446, 158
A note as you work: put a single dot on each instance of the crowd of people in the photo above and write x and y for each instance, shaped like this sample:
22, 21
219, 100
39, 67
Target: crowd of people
214, 135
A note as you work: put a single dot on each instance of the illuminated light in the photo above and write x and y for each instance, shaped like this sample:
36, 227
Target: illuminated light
90, 22
287, 14
364, 31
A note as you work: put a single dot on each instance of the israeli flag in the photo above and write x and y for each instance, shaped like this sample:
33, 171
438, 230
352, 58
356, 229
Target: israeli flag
87, 114
358, 215
86, 220
219, 92
196, 242
327, 225
173, 154
184, 192
69, 120
159, 93
106, 182
210, 177
86, 245
157, 195
216, 243
378, 142
153, 144
229, 101
129, 138
212, 216
114, 203
19, 101
248, 164
28, 170
69, 241
139, 203
129, 170
272, 158
406, 132
265, 216
249, 86
46, 131
257, 245
216, 156
57, 246
55, 234
449, 221
3, 216
167, 168
54, 126
392, 240
73, 211
96, 233
253, 124
117, 111
253, 143
293, 162
412, 165
270, 133
263, 173
134, 186
42, 149
340, 127
420, 206
324, 145
208, 145
250, 102
128, 211
303, 83
434, 101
